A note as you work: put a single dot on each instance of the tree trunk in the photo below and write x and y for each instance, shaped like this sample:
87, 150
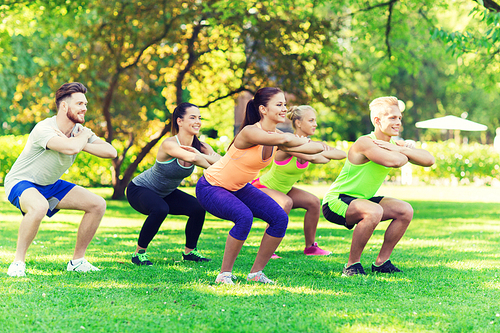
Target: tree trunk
119, 189
120, 183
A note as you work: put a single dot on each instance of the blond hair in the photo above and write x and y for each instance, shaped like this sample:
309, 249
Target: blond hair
382, 105
297, 113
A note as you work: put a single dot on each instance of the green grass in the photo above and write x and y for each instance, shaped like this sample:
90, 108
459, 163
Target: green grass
450, 257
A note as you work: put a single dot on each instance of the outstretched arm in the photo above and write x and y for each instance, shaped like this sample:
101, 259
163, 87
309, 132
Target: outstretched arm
252, 135
415, 156
101, 149
210, 155
332, 153
365, 149
310, 147
170, 149
329, 153
207, 153
80, 142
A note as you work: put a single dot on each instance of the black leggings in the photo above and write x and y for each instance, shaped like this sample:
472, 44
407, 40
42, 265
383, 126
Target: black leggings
157, 208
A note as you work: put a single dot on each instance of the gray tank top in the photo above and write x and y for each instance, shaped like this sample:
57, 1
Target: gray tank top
164, 177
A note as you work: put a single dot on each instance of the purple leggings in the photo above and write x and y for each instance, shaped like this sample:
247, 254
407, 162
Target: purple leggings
241, 206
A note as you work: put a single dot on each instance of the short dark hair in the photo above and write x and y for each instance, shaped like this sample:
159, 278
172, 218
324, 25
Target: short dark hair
67, 89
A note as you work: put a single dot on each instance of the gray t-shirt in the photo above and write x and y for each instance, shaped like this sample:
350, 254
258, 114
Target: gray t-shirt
37, 163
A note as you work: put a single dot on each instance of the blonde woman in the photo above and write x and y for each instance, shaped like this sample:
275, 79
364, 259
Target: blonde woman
288, 168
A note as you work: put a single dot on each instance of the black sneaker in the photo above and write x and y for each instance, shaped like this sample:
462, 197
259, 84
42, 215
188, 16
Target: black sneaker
354, 269
386, 267
141, 258
194, 256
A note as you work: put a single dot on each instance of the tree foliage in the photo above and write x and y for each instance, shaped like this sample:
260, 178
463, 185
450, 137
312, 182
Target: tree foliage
140, 58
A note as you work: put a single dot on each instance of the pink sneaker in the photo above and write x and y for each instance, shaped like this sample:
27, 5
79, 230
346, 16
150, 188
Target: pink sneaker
275, 256
314, 250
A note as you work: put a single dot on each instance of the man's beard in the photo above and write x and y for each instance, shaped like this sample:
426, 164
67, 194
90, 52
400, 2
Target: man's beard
73, 117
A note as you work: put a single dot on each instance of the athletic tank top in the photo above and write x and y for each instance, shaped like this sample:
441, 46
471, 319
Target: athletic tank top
284, 174
164, 177
239, 166
360, 181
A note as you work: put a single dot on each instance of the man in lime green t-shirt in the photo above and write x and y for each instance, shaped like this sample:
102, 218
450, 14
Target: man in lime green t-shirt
350, 200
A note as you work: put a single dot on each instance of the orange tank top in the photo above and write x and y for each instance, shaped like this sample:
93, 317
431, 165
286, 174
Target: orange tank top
239, 166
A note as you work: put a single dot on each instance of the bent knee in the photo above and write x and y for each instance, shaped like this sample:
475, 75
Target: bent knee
407, 211
287, 204
372, 215
97, 205
37, 209
313, 203
375, 212
277, 227
160, 211
241, 229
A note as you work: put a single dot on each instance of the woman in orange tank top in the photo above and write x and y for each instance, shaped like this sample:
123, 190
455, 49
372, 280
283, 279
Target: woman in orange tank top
225, 191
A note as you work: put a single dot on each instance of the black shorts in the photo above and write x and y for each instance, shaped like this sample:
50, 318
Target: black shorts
344, 200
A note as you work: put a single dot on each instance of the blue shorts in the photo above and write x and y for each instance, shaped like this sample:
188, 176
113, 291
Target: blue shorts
53, 193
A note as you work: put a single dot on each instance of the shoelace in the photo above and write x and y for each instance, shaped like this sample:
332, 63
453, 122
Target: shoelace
228, 278
197, 254
142, 256
263, 278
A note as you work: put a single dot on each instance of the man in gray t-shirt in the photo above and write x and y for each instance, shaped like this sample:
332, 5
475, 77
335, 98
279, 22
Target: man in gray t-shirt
33, 183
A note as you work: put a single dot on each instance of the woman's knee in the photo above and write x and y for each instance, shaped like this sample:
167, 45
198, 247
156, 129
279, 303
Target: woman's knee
241, 229
287, 204
277, 227
313, 203
160, 211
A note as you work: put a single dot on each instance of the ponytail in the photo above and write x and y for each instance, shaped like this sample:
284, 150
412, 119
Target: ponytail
252, 113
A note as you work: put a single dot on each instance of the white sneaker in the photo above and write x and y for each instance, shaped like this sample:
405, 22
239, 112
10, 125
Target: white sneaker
81, 266
225, 278
17, 269
259, 277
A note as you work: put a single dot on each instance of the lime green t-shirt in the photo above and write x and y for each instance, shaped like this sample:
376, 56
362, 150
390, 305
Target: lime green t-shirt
360, 181
283, 174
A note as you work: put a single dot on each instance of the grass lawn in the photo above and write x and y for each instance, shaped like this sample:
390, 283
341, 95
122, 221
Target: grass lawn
450, 256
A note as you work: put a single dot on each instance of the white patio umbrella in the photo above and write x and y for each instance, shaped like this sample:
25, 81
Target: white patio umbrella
451, 123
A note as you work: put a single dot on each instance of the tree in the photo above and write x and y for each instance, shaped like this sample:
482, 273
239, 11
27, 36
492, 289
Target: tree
138, 58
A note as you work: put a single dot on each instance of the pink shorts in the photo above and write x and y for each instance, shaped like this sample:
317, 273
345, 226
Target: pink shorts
258, 184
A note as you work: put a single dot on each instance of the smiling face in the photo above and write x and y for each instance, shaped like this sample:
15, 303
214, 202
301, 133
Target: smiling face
76, 106
275, 110
307, 124
389, 122
191, 122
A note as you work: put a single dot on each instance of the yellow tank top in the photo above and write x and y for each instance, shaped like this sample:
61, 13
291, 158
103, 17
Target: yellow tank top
237, 167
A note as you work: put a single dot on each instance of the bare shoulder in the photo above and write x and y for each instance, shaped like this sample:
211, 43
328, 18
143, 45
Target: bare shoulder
362, 143
168, 144
356, 152
169, 141
251, 129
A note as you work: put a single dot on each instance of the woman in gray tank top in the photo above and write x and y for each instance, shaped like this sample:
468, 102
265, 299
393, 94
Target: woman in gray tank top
154, 192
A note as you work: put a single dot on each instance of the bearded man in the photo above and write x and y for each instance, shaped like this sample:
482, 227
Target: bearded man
33, 183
